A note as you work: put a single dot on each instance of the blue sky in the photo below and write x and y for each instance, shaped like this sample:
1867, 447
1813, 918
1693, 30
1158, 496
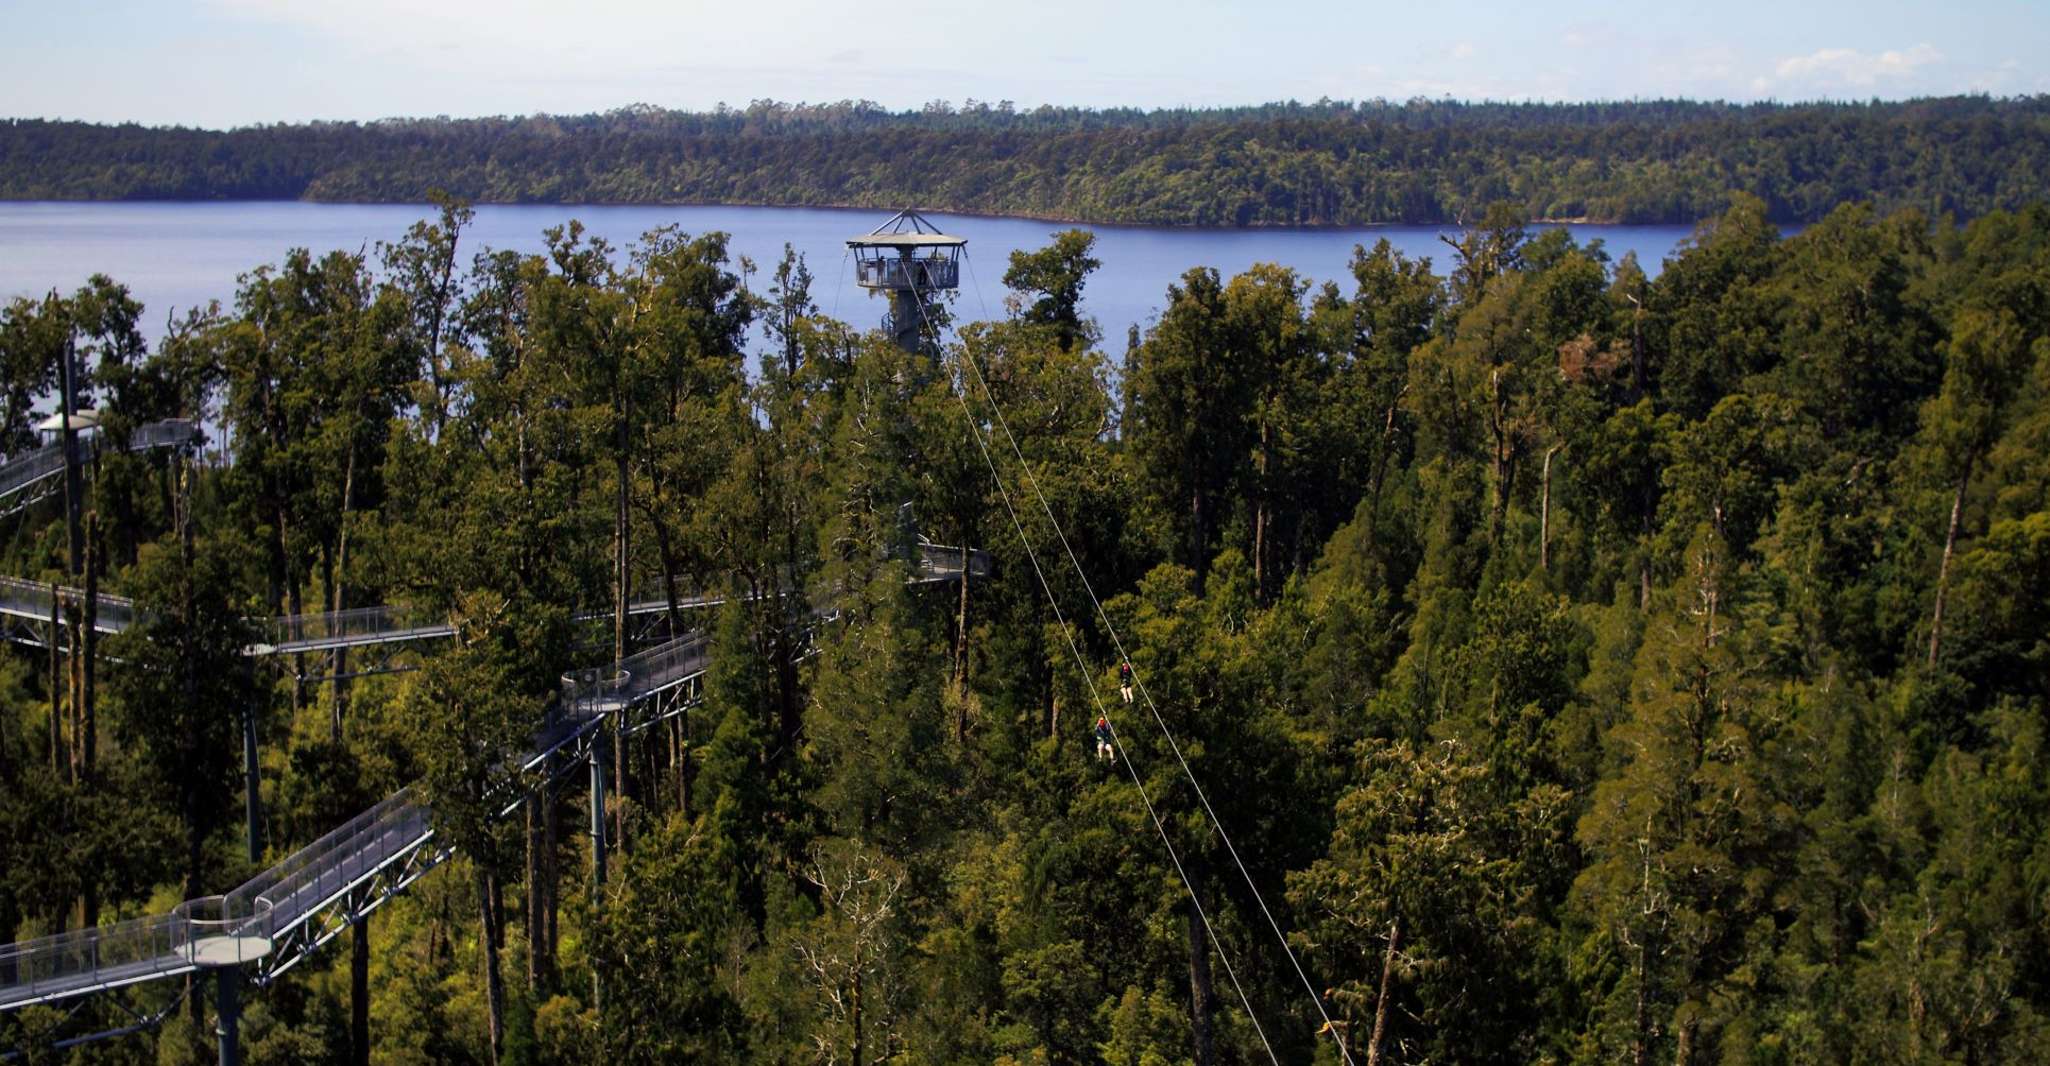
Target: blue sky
220, 63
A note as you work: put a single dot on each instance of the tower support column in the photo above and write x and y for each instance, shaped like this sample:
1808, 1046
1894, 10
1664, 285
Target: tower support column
907, 320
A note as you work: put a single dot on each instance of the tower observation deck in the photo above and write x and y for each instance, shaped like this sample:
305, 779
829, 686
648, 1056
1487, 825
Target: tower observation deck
909, 258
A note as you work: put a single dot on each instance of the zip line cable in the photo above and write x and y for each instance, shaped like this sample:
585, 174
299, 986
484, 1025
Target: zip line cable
840, 283
1118, 641
1096, 697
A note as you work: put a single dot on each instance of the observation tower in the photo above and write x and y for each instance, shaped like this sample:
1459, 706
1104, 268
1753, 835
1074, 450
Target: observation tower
909, 258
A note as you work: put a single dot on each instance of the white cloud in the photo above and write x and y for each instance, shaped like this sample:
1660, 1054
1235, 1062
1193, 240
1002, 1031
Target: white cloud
1463, 50
1840, 69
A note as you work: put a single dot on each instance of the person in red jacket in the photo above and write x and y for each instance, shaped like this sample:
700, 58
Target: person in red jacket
1125, 680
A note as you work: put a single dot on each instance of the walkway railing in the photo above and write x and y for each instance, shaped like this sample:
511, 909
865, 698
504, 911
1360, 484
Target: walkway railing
215, 931
311, 876
599, 690
357, 625
33, 599
946, 561
48, 461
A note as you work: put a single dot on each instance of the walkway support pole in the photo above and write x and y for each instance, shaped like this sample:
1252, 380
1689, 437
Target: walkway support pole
597, 845
598, 813
228, 1014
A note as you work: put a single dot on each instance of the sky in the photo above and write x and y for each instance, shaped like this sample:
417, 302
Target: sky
226, 63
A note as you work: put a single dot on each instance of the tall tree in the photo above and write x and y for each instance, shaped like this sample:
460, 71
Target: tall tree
1047, 287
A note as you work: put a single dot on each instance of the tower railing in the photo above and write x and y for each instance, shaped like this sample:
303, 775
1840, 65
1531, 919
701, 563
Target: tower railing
889, 272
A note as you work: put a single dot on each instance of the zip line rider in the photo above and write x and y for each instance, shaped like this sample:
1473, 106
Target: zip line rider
1125, 680
1104, 749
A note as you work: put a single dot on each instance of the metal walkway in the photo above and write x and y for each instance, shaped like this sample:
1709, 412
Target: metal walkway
281, 916
27, 609
38, 470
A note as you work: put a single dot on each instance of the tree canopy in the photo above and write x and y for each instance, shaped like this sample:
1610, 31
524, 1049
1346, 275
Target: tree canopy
1585, 666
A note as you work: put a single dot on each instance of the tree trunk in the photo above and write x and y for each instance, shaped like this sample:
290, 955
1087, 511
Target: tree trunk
435, 366
1640, 1037
1261, 517
673, 610
1957, 507
295, 605
1640, 377
1381, 1001
550, 874
252, 787
1545, 512
623, 582
76, 723
534, 893
1380, 474
58, 682
1498, 466
494, 991
74, 487
88, 737
961, 620
88, 728
860, 1051
1201, 995
338, 578
790, 709
359, 992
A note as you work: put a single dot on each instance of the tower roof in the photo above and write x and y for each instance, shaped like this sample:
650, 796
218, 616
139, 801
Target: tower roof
906, 229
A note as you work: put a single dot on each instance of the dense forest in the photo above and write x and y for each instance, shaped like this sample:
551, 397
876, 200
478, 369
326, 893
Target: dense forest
1325, 163
1578, 666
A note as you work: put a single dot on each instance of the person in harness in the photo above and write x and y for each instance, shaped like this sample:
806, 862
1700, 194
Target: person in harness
1105, 750
1125, 680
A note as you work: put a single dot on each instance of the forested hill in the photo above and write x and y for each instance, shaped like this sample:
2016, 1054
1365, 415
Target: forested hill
1283, 164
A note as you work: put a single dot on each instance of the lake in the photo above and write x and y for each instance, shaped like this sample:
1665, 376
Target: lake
180, 255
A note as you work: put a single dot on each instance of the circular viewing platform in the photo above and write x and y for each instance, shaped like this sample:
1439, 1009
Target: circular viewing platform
907, 254
228, 950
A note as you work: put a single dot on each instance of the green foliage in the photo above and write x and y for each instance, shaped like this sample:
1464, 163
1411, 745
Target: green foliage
1053, 278
1654, 664
667, 929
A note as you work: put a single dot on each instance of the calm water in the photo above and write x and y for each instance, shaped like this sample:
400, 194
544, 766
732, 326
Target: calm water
179, 255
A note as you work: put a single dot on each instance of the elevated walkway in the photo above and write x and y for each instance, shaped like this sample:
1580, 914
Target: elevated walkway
27, 607
33, 476
281, 916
